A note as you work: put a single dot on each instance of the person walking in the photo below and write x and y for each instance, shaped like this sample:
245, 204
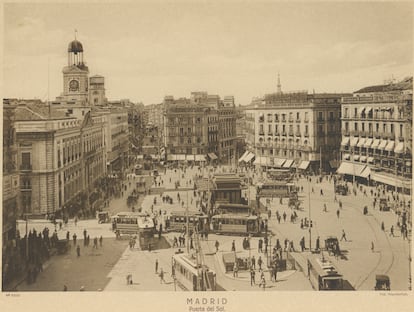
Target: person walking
253, 263
233, 246
337, 213
100, 241
74, 239
217, 244
95, 243
252, 277
392, 231
372, 246
343, 235
156, 266
162, 276
235, 269
78, 251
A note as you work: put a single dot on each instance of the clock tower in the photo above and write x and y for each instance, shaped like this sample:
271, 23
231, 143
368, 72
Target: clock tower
75, 76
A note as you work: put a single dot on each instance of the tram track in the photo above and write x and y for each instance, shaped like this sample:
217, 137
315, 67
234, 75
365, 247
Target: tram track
359, 283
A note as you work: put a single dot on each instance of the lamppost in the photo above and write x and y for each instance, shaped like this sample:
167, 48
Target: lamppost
310, 222
409, 262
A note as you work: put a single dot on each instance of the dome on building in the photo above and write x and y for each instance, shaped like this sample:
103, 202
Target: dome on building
75, 46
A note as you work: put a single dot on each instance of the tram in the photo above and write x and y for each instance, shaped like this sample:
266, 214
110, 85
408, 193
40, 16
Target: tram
323, 275
191, 276
134, 223
178, 221
229, 223
146, 230
275, 189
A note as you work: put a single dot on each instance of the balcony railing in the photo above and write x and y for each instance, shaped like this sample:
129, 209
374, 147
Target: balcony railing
26, 167
283, 133
291, 133
306, 135
306, 120
298, 134
345, 132
298, 120
290, 120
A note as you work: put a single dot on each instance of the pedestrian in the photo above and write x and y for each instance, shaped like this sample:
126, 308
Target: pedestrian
337, 213
343, 235
78, 250
284, 216
74, 239
321, 192
262, 281
382, 226
95, 243
233, 246
65, 288
235, 269
392, 231
156, 266
260, 249
372, 246
162, 276
260, 262
217, 244
68, 235
317, 245
252, 277
100, 241
325, 208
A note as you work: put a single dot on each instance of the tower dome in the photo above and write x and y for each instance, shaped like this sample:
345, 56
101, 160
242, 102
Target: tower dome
75, 46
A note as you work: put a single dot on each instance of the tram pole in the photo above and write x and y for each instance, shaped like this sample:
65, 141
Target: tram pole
310, 221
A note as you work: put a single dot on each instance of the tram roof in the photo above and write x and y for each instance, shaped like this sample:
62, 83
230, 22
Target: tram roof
234, 216
324, 268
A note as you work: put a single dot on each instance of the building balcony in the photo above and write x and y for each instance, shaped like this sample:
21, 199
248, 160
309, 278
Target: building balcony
26, 167
306, 135
25, 188
298, 120
290, 120
291, 133
345, 132
306, 121
321, 119
283, 133
261, 132
298, 134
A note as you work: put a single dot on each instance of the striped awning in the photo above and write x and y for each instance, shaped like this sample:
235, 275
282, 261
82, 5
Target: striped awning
304, 165
243, 156
371, 160
363, 158
249, 157
288, 163
356, 157
368, 143
399, 148
354, 142
382, 144
375, 143
350, 168
390, 146
278, 162
365, 172
347, 156
200, 158
345, 141
361, 142
212, 156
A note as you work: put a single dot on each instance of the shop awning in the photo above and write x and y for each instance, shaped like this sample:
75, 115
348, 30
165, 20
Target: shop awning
180, 157
278, 162
383, 144
200, 158
304, 165
260, 160
243, 156
190, 157
288, 163
390, 180
361, 142
356, 157
354, 141
347, 156
375, 143
249, 157
371, 160
170, 157
212, 156
399, 149
345, 141
368, 143
350, 168
363, 158
390, 146
365, 172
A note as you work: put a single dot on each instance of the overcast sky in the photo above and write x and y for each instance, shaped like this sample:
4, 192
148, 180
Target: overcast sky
147, 51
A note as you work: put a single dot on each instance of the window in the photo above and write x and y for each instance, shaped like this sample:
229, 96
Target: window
306, 129
276, 129
283, 128
320, 129
283, 117
346, 126
384, 127
331, 115
363, 127
290, 116
356, 126
377, 127
297, 128
401, 130
26, 160
392, 128
297, 116
346, 112
355, 112
261, 129
270, 129
306, 116
276, 117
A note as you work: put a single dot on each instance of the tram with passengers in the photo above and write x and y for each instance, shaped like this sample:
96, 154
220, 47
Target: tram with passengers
192, 276
323, 275
237, 224
133, 223
177, 221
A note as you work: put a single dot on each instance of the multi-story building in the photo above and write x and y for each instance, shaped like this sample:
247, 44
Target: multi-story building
377, 134
198, 126
10, 186
60, 158
97, 91
294, 129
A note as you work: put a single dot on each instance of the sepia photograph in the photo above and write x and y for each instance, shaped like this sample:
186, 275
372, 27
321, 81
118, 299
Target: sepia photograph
206, 150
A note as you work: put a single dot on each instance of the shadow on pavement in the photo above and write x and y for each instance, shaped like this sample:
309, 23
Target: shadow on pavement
347, 285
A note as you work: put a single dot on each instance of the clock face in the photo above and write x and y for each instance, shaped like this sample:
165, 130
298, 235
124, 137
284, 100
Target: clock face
73, 85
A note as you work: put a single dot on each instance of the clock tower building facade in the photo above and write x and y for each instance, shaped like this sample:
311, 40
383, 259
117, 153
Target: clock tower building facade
75, 76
